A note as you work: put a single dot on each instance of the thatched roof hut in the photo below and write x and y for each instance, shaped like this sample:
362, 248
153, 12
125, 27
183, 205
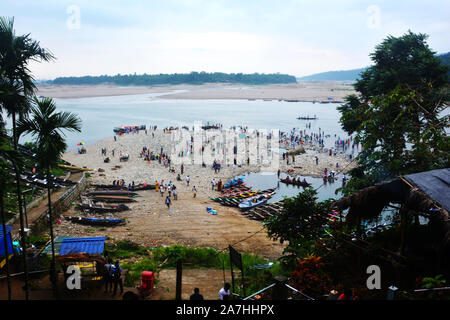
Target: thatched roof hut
424, 194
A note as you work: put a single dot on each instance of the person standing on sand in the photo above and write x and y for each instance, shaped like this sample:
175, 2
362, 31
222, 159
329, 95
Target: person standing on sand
175, 193
187, 180
213, 183
182, 168
194, 190
161, 190
157, 186
168, 202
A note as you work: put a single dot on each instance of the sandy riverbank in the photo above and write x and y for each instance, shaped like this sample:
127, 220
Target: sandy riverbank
302, 91
151, 223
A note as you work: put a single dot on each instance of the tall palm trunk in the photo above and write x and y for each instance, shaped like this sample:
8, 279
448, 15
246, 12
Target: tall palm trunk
8, 280
50, 222
19, 200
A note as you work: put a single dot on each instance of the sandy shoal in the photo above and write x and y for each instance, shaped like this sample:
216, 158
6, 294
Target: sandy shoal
301, 91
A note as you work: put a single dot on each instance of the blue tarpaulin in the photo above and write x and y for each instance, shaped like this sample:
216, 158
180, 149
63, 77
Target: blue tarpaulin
85, 245
8, 240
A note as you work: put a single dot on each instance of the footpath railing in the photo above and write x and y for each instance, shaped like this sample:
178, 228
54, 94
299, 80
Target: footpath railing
59, 206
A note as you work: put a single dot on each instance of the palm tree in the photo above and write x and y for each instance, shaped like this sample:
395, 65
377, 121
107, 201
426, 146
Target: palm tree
47, 125
15, 54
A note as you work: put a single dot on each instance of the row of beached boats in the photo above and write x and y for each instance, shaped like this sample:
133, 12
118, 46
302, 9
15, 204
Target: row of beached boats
236, 193
106, 200
264, 211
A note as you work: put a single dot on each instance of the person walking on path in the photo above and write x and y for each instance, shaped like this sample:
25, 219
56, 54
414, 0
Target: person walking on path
187, 180
194, 190
175, 193
182, 168
168, 202
161, 190
117, 276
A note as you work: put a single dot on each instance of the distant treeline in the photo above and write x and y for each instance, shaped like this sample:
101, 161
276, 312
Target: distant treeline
177, 78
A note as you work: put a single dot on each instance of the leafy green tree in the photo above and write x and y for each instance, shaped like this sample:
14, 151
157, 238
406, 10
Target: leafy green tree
301, 224
47, 125
7, 156
397, 114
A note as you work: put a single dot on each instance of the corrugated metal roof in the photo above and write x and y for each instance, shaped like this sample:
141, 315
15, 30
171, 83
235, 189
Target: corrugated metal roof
435, 183
87, 245
57, 242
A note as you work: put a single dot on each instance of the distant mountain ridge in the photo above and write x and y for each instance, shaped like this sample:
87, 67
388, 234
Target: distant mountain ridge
343, 75
353, 74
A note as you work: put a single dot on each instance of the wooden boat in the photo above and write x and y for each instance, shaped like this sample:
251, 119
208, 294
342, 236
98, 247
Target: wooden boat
108, 187
252, 203
234, 182
124, 129
239, 188
73, 168
110, 193
96, 221
89, 206
235, 201
109, 198
144, 186
296, 183
307, 118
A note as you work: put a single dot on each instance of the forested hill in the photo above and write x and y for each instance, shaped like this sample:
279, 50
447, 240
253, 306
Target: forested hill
177, 78
352, 75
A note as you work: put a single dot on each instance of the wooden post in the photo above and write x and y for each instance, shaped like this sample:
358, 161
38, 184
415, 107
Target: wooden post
179, 279
232, 275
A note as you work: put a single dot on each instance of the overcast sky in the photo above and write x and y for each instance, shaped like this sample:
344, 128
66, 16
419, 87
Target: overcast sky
298, 37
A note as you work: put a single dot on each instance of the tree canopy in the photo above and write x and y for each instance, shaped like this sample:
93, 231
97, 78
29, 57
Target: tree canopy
397, 115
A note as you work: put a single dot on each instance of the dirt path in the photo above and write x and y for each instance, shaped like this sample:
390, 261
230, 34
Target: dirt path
36, 212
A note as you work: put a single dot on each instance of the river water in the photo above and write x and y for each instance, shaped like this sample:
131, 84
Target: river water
101, 114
